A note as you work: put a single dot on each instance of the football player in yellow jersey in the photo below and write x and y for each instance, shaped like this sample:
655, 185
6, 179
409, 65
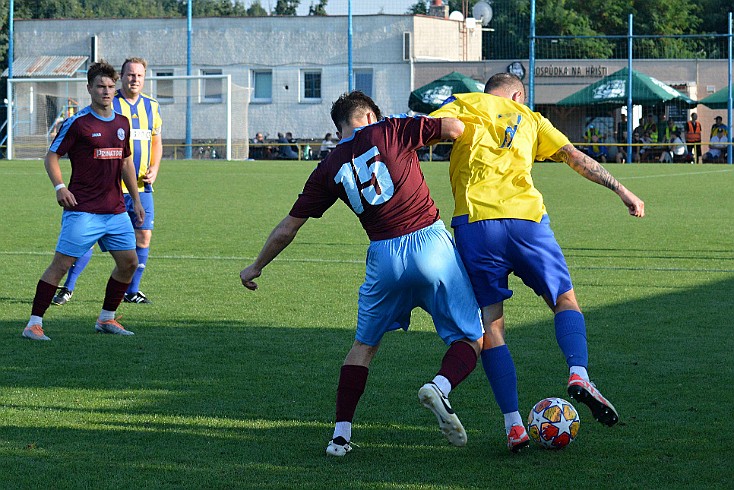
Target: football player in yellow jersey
501, 226
147, 149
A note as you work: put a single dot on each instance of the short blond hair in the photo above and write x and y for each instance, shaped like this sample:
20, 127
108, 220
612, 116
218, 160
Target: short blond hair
140, 61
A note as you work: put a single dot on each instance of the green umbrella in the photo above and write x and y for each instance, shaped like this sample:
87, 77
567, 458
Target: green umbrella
611, 91
429, 97
717, 100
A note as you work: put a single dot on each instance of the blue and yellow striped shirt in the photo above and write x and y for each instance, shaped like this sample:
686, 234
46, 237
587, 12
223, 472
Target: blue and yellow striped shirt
145, 122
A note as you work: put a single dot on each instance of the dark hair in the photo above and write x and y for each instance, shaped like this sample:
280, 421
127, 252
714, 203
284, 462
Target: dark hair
502, 80
101, 69
351, 105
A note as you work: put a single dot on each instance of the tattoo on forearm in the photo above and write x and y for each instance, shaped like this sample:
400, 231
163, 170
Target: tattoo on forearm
586, 166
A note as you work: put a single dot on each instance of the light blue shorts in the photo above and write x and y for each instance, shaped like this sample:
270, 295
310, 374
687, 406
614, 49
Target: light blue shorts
492, 249
146, 199
420, 269
80, 230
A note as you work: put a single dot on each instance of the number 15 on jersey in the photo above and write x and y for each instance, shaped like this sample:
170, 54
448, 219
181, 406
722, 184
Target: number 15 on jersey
364, 174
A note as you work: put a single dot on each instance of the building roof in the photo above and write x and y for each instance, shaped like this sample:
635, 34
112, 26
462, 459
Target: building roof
46, 66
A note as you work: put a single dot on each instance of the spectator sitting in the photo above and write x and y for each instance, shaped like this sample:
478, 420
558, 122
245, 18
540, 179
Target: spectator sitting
666, 134
717, 147
258, 150
285, 151
719, 124
676, 151
650, 126
326, 146
590, 131
596, 151
291, 139
646, 151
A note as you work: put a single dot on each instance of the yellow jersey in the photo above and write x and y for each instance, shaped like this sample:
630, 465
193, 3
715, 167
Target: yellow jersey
491, 161
145, 122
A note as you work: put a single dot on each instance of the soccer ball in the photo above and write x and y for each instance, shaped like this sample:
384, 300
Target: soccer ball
553, 423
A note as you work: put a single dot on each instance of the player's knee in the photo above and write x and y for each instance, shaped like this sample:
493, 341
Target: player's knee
128, 264
142, 238
566, 301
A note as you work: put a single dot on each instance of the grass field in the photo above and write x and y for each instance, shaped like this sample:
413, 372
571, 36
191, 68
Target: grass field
226, 388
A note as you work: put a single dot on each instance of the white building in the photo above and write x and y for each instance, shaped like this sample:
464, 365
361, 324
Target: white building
286, 71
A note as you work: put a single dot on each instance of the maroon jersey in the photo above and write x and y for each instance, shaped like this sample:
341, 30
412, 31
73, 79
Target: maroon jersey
377, 174
96, 148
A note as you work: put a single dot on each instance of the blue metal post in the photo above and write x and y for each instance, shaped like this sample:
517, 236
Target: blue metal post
730, 150
531, 58
9, 89
629, 91
350, 33
11, 29
189, 108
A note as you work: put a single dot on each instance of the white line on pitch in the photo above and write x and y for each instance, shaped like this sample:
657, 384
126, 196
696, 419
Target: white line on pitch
361, 261
677, 175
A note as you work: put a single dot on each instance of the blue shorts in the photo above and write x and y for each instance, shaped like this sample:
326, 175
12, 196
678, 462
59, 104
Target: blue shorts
420, 269
492, 249
79, 231
146, 199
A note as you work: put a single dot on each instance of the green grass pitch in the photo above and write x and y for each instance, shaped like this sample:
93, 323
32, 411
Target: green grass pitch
227, 388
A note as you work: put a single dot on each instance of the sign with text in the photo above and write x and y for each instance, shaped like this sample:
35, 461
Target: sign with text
595, 71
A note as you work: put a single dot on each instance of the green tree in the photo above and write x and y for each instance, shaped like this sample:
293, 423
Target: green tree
256, 10
457, 5
318, 9
286, 7
418, 8
714, 15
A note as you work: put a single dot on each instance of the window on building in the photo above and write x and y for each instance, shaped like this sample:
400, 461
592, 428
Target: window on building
263, 86
164, 88
311, 86
363, 80
213, 87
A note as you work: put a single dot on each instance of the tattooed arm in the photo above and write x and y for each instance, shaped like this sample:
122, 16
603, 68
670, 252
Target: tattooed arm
593, 171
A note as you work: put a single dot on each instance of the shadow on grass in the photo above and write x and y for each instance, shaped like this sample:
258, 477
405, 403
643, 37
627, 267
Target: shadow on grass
200, 404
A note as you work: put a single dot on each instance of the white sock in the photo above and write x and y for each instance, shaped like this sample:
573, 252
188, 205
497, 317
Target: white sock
343, 429
581, 371
512, 418
35, 320
105, 315
443, 384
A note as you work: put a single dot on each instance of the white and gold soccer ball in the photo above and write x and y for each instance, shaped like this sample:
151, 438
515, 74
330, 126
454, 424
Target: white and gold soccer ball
553, 423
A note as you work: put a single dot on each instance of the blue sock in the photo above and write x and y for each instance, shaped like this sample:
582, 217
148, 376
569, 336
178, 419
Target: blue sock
500, 371
571, 337
142, 260
77, 269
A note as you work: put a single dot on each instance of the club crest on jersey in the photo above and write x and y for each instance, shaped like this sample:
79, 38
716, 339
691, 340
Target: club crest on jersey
108, 153
120, 134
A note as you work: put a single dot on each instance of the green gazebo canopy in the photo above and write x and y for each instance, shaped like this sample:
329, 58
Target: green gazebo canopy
717, 100
611, 91
429, 97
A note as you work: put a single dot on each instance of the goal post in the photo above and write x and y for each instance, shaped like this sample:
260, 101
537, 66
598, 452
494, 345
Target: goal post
218, 112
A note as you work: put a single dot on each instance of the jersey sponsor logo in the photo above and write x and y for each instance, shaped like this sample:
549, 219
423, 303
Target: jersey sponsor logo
108, 153
510, 133
96, 135
141, 134
120, 134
